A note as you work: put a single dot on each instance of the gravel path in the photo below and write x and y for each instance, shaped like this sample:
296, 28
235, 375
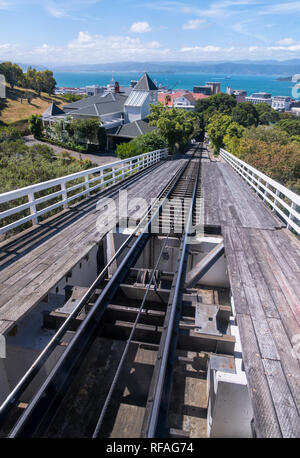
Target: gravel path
99, 159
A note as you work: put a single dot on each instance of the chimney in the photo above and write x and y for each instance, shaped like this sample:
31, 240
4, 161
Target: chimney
117, 87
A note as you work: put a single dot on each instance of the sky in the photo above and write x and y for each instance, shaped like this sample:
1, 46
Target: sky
100, 31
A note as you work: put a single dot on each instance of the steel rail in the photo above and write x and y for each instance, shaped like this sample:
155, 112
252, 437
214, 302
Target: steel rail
120, 365
41, 408
158, 399
27, 378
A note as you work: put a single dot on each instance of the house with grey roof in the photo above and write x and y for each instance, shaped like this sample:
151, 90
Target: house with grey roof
122, 114
127, 132
53, 110
109, 108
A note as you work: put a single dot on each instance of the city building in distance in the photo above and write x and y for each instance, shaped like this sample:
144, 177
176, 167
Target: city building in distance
239, 94
260, 97
281, 103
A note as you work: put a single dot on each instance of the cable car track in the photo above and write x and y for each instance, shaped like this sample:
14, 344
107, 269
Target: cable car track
38, 417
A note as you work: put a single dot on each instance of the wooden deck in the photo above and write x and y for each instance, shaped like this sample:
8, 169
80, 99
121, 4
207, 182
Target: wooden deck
263, 262
33, 263
264, 270
229, 201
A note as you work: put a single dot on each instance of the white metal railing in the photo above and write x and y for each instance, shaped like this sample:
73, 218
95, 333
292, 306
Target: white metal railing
95, 178
283, 201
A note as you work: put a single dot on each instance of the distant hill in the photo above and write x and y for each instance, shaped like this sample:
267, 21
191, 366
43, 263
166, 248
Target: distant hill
284, 78
242, 67
268, 67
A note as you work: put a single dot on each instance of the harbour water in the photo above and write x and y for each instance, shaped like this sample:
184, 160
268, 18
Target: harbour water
250, 83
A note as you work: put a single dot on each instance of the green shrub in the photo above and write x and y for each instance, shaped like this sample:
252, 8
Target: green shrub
125, 150
35, 125
9, 134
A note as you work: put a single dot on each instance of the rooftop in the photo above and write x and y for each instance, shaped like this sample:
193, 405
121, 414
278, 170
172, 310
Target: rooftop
97, 105
136, 98
191, 96
132, 129
145, 84
53, 110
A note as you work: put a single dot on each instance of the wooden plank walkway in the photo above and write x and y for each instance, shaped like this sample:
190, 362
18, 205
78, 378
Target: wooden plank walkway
228, 200
263, 262
264, 270
32, 263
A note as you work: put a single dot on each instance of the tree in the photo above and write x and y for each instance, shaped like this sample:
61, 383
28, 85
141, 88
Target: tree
199, 126
83, 130
149, 142
102, 137
73, 97
156, 112
35, 125
234, 133
48, 81
245, 114
12, 72
280, 162
290, 126
266, 114
221, 103
295, 139
267, 134
30, 78
125, 150
217, 129
175, 125
38, 83
141, 145
42, 81
167, 100
202, 105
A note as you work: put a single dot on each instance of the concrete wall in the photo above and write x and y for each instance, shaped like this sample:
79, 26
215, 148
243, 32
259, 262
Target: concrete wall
229, 406
81, 275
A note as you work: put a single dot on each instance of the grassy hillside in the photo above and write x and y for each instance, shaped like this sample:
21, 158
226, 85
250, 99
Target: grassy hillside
15, 109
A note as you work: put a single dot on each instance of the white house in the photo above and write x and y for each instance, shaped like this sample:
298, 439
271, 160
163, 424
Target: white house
94, 89
137, 105
281, 103
185, 100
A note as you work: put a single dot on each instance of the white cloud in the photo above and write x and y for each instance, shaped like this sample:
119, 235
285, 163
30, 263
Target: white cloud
4, 5
54, 11
84, 38
5, 46
285, 41
194, 24
282, 8
88, 48
293, 48
140, 27
241, 27
217, 9
202, 49
67, 9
